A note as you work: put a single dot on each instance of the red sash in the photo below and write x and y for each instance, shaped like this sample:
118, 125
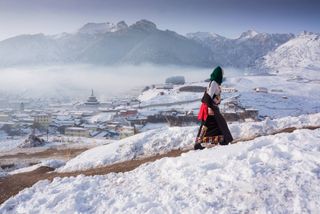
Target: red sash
203, 113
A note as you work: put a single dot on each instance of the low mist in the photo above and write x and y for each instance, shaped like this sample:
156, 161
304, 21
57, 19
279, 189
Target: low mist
76, 81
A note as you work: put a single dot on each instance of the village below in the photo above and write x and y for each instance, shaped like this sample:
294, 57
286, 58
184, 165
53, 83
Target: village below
117, 119
174, 103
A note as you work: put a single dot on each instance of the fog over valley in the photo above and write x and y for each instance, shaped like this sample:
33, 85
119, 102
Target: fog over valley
76, 81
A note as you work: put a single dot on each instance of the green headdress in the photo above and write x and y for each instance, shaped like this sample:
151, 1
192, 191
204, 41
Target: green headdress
217, 75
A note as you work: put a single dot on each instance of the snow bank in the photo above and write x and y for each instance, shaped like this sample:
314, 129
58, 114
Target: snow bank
268, 126
147, 143
49, 163
169, 138
271, 174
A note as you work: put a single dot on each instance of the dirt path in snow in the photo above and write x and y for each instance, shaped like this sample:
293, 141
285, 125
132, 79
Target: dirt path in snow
52, 153
11, 185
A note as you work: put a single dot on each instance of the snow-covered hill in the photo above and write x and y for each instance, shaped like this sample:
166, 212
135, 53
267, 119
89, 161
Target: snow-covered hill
160, 95
166, 139
271, 174
295, 56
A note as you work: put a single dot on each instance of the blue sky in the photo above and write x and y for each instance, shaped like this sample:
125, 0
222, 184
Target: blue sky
225, 17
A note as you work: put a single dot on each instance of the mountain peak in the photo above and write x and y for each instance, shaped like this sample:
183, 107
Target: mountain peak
248, 34
307, 33
145, 25
203, 35
101, 28
122, 25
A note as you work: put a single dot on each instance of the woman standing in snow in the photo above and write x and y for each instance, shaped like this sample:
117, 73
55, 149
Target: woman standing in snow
214, 128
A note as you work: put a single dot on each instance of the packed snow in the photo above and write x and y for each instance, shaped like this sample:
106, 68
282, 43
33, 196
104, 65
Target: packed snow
49, 163
168, 138
270, 174
145, 144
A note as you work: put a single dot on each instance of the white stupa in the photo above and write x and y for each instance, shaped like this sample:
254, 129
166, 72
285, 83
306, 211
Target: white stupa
92, 100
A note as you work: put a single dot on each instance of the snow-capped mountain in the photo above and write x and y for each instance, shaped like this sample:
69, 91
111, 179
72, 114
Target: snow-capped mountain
142, 42
30, 49
302, 52
101, 28
217, 44
243, 51
106, 43
204, 36
248, 34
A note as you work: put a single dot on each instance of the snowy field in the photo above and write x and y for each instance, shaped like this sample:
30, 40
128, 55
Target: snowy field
288, 95
293, 97
153, 96
270, 174
10, 144
169, 138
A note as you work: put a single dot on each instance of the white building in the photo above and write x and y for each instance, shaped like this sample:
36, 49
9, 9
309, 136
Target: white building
164, 86
4, 118
228, 90
261, 90
42, 119
77, 132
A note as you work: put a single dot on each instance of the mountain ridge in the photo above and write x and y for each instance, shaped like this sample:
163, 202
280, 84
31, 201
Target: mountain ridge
142, 42
301, 52
106, 44
241, 52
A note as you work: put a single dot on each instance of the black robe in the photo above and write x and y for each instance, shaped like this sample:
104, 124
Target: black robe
216, 124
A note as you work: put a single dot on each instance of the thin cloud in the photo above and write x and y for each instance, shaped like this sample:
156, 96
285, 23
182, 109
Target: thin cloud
76, 81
